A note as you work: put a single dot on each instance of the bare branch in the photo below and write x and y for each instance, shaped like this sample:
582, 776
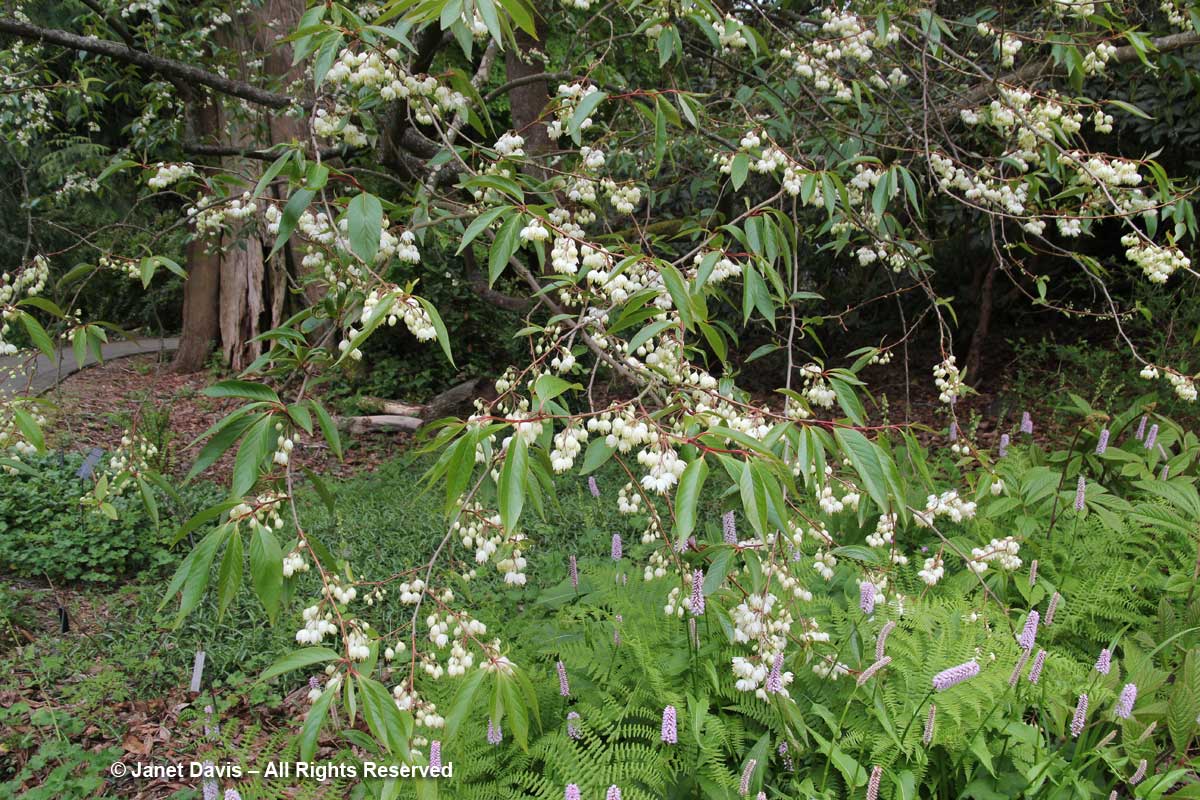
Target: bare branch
167, 67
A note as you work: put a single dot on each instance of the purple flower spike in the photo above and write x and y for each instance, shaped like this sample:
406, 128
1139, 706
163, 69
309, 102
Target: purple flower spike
953, 431
617, 549
1152, 436
775, 677
1102, 445
573, 569
573, 725
613, 793
698, 592
1029, 635
955, 675
866, 597
785, 758
881, 639
564, 688
209, 788
1080, 717
870, 671
1055, 599
1033, 572
1166, 470
1141, 429
1080, 494
747, 774
1004, 440
1104, 662
571, 793
670, 731
729, 527
1125, 702
593, 487
930, 720
873, 783
1026, 423
1039, 661
494, 734
1139, 773
435, 754
1020, 665
232, 794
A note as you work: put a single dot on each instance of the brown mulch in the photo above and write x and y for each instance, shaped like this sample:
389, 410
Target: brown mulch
93, 407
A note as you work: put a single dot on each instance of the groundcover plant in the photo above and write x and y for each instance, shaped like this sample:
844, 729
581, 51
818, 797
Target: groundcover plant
805, 600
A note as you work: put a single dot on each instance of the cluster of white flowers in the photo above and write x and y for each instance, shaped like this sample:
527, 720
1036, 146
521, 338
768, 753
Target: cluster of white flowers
629, 500
663, 469
510, 145
846, 39
131, 458
1007, 46
947, 504
1184, 386
385, 74
27, 282
816, 389
1158, 263
167, 174
824, 563
729, 33
1002, 552
316, 626
933, 570
212, 218
949, 381
1096, 60
568, 443
294, 562
569, 96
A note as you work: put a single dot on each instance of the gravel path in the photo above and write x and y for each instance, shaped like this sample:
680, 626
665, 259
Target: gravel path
18, 377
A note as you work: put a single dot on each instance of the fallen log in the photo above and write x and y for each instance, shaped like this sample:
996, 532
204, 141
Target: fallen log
407, 417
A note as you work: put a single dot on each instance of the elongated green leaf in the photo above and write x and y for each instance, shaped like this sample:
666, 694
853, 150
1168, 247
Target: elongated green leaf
229, 577
266, 570
312, 724
38, 335
328, 428
244, 389
298, 660
364, 222
512, 483
687, 497
479, 225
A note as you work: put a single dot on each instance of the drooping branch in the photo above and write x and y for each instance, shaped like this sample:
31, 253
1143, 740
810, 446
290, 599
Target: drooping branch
1046, 68
167, 67
221, 150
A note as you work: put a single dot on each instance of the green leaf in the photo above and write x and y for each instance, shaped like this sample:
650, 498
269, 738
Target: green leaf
192, 576
296, 205
244, 389
547, 387
442, 336
312, 724
387, 722
687, 497
464, 701
598, 453
250, 455
328, 429
365, 222
266, 570
229, 578
479, 225
508, 239
29, 428
512, 482
848, 400
677, 287
584, 110
739, 170
867, 461
38, 335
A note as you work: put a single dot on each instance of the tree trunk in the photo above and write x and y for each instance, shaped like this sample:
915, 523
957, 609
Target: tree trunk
237, 293
979, 338
528, 101
200, 330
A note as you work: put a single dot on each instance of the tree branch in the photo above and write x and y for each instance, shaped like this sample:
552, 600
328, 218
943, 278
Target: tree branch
166, 67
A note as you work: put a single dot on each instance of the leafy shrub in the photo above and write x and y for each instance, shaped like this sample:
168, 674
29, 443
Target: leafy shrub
45, 532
